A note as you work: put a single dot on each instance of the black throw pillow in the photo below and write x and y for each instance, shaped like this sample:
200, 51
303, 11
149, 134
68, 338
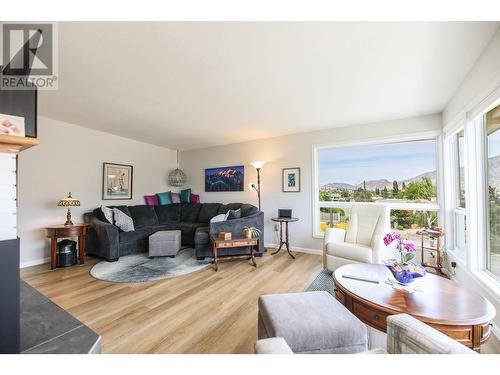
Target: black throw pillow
234, 214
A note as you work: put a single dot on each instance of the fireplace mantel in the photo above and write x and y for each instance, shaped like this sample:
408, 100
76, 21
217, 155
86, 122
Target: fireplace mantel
12, 144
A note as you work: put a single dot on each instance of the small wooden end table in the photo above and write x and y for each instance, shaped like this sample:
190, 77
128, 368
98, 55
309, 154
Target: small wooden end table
55, 232
218, 243
443, 304
286, 242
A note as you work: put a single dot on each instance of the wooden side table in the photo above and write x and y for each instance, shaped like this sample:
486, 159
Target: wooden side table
65, 231
285, 242
217, 243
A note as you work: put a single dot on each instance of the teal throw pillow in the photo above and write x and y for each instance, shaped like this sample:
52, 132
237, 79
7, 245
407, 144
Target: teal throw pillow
165, 198
186, 196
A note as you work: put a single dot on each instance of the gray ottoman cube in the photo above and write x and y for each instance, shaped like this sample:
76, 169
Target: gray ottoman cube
311, 322
165, 243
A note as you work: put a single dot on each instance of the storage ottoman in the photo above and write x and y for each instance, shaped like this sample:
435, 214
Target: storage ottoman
165, 243
311, 322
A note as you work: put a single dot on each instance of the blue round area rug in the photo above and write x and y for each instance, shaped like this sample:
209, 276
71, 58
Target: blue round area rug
138, 268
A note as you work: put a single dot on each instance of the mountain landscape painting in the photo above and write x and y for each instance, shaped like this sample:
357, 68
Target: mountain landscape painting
224, 179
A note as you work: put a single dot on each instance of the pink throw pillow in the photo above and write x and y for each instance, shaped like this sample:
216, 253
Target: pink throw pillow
195, 198
176, 198
151, 200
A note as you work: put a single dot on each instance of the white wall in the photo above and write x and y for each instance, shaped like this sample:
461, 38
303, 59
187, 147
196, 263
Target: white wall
281, 152
480, 82
69, 158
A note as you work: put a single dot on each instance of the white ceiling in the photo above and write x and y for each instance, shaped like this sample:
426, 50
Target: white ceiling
194, 85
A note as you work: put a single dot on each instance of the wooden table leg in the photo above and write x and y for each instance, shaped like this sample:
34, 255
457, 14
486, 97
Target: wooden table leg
281, 239
252, 255
53, 253
81, 248
214, 252
476, 337
288, 242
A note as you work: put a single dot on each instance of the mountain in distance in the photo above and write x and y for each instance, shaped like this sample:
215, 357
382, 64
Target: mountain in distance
381, 183
337, 185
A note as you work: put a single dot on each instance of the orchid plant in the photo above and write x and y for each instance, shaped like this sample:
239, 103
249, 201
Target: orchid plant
406, 249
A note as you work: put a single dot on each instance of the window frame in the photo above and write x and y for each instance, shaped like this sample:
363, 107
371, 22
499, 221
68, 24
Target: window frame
452, 194
420, 136
476, 194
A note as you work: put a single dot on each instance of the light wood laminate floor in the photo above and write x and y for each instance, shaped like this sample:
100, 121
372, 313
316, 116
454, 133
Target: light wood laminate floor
204, 312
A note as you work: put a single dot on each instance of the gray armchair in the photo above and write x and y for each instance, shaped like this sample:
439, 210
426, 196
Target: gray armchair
405, 335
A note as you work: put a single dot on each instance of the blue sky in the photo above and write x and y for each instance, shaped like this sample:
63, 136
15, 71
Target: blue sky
392, 161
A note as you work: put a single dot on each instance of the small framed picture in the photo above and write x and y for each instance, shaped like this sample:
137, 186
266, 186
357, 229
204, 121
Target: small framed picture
117, 181
12, 125
291, 180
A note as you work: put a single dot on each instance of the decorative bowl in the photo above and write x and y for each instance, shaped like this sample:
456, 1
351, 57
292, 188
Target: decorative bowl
404, 273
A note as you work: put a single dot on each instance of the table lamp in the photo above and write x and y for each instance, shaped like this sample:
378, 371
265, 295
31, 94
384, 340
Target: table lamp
69, 201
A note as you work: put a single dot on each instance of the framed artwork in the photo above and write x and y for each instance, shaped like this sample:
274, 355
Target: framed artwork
21, 103
225, 179
12, 125
117, 181
291, 180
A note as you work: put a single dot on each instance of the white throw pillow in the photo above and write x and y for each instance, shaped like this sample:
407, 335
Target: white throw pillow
108, 214
123, 221
218, 218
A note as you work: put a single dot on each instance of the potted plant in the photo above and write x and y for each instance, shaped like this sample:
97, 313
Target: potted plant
251, 232
404, 271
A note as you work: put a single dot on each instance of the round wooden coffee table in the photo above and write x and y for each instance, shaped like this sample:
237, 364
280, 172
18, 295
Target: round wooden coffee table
441, 303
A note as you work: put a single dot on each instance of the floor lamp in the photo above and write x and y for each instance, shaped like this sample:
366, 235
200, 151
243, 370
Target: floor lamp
257, 165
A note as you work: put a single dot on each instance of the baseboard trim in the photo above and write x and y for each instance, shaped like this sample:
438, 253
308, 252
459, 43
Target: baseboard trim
297, 249
34, 262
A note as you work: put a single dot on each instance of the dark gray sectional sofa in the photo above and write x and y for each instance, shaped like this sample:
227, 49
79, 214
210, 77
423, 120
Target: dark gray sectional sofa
105, 240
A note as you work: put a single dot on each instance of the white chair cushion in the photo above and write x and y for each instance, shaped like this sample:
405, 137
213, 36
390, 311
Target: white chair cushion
353, 251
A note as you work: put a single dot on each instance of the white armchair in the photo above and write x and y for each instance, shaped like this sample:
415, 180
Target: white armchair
363, 242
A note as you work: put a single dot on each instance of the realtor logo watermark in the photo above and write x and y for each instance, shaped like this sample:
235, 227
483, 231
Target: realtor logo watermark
28, 56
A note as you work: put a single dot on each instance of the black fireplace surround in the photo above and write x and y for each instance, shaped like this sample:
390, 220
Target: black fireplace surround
105, 240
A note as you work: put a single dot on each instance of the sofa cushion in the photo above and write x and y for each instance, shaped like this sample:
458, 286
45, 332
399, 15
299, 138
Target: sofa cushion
226, 207
98, 212
169, 225
188, 230
123, 209
165, 198
190, 212
168, 213
201, 235
354, 251
208, 211
176, 198
233, 214
186, 196
248, 209
143, 215
108, 214
136, 235
151, 200
218, 218
329, 327
123, 221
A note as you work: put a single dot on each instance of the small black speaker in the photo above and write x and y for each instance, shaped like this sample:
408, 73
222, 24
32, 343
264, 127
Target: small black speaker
285, 213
